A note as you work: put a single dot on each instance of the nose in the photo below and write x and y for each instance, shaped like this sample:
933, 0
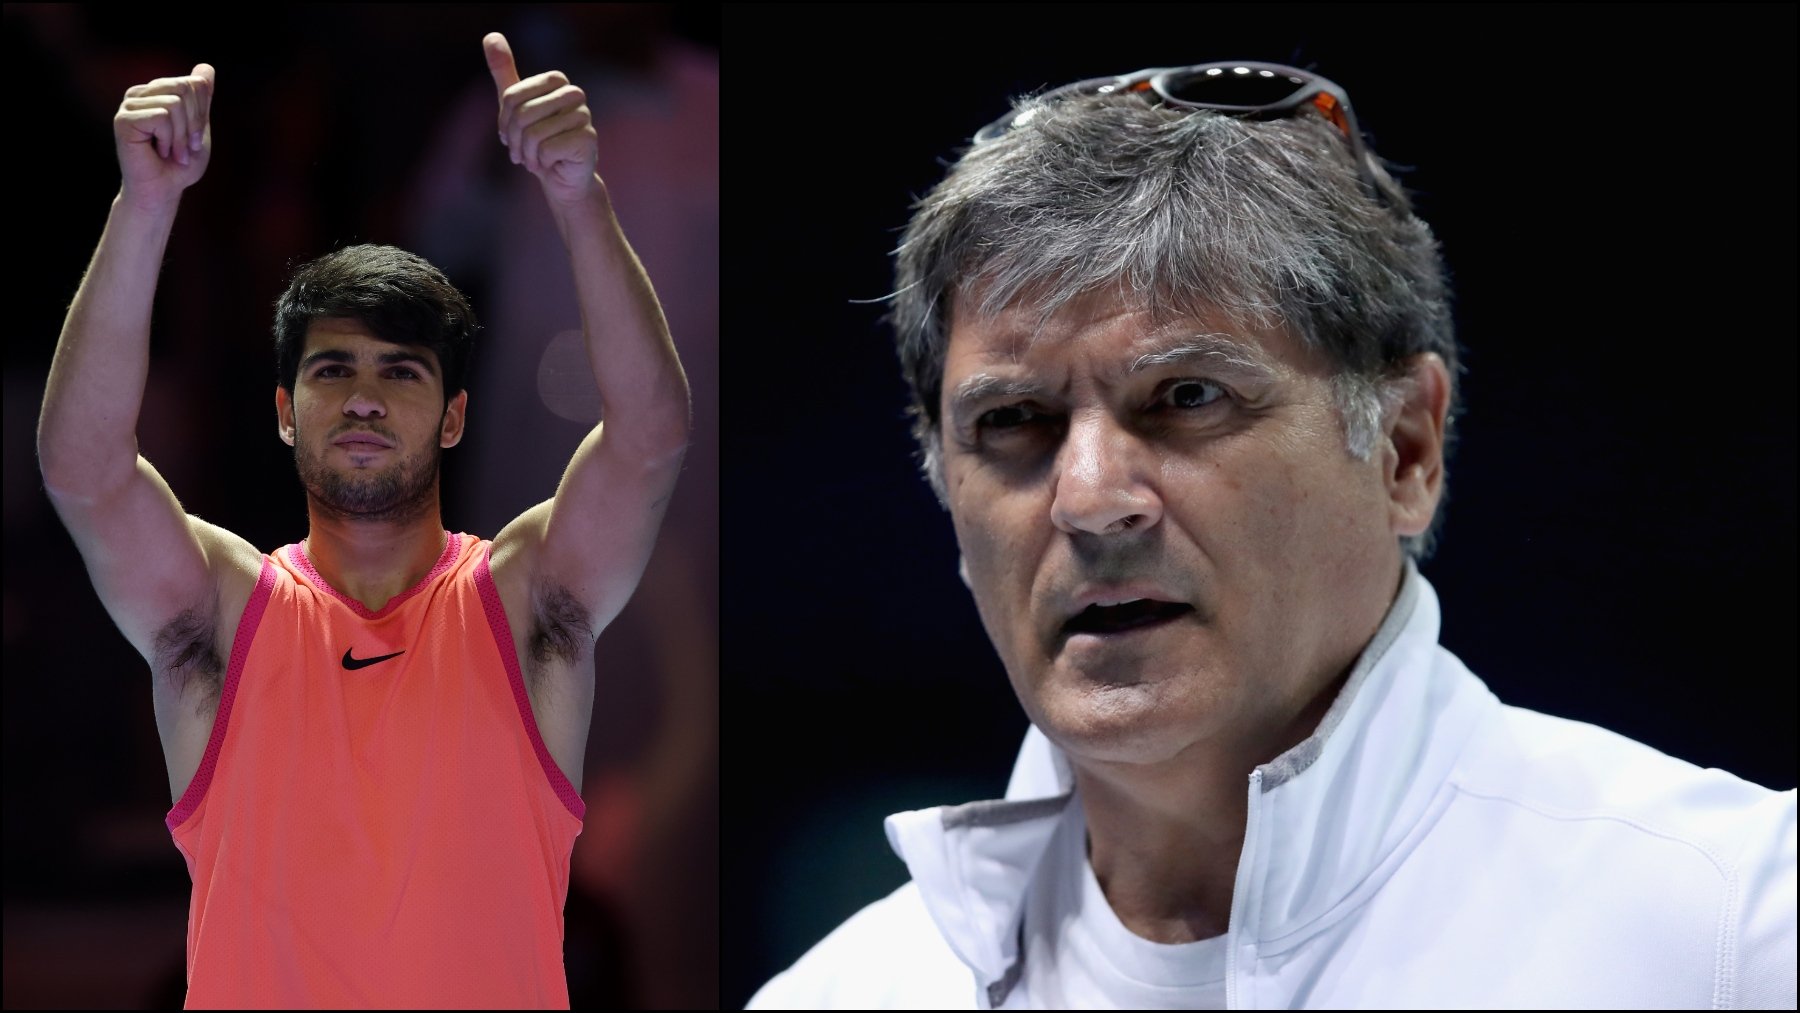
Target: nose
364, 404
1104, 479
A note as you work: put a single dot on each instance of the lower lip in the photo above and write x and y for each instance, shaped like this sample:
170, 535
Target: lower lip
363, 448
1092, 640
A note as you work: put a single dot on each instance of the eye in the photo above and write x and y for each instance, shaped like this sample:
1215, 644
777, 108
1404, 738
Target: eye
1011, 416
1189, 395
329, 372
405, 373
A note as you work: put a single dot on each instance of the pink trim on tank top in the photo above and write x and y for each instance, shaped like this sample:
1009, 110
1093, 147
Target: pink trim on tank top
452, 548
496, 617
240, 651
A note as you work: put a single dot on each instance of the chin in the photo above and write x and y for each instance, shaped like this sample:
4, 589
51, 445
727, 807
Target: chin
1144, 721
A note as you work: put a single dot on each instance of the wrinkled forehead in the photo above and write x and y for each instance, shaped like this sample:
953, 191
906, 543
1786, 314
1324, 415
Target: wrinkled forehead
1043, 321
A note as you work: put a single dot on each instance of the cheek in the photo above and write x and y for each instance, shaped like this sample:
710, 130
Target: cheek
301, 417
981, 552
998, 550
997, 521
1305, 514
1262, 503
1248, 502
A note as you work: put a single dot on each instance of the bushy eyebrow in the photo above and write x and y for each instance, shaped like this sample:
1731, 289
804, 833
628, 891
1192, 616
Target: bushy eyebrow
1217, 352
985, 386
384, 359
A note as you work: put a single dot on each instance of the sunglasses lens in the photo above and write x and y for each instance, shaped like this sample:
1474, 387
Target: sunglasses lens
1232, 86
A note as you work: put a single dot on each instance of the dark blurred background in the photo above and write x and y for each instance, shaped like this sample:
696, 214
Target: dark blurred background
1614, 189
334, 126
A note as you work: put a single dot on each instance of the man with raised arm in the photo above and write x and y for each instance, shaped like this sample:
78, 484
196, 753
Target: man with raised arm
374, 736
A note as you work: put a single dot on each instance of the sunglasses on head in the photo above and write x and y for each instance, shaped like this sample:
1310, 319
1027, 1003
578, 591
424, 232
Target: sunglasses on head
1256, 91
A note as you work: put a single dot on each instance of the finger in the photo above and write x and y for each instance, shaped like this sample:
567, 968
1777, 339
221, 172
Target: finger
500, 61
539, 135
174, 94
569, 136
171, 142
206, 74
149, 125
521, 93
178, 120
189, 90
544, 106
569, 146
547, 104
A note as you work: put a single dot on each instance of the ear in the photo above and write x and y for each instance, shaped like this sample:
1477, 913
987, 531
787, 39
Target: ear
455, 413
1413, 458
284, 416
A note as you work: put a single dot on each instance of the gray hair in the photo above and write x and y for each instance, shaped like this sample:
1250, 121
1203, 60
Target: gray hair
1190, 212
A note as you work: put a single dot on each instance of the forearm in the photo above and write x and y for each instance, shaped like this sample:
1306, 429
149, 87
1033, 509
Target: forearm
642, 385
87, 432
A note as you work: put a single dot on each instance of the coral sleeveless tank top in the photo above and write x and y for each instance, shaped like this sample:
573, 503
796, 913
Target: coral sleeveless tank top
376, 821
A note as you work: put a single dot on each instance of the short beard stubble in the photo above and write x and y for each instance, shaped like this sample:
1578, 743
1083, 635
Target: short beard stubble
401, 492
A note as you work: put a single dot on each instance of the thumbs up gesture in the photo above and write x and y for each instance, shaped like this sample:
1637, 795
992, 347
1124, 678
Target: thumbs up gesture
163, 134
545, 125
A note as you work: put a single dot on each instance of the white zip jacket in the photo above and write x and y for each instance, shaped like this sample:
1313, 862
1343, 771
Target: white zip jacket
1426, 847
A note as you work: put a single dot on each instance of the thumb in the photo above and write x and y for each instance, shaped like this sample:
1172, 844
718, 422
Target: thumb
204, 70
500, 60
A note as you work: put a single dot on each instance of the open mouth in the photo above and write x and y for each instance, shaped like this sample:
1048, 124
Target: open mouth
1132, 615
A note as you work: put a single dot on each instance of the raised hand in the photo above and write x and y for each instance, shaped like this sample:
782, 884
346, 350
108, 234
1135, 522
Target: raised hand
545, 125
163, 133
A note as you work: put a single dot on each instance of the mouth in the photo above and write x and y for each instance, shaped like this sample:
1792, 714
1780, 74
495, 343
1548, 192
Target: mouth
363, 444
1124, 617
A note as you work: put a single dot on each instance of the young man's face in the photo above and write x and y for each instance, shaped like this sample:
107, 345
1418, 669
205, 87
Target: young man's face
1166, 536
368, 423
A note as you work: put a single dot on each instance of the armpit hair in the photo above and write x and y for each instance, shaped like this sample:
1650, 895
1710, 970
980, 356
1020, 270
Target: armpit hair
187, 654
562, 628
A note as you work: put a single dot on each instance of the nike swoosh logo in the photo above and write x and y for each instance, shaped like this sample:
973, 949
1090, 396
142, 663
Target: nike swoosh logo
355, 663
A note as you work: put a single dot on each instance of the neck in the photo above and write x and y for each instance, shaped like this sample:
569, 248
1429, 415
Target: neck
1164, 839
372, 561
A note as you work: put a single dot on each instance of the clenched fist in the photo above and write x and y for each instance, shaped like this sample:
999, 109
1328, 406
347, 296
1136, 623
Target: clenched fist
164, 136
545, 125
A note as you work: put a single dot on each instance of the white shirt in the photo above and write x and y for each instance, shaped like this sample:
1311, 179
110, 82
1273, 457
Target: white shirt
1426, 847
1078, 955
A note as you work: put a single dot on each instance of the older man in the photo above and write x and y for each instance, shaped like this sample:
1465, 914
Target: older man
1184, 378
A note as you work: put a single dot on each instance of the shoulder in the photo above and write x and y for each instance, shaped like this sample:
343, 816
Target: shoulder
1572, 770
889, 955
1675, 849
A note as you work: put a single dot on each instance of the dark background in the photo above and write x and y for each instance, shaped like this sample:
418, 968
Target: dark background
1614, 189
337, 125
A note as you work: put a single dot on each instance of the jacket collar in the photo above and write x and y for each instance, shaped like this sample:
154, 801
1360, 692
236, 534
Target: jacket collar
1324, 814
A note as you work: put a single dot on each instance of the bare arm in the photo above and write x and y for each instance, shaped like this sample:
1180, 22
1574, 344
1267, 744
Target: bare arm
595, 537
87, 433
149, 561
